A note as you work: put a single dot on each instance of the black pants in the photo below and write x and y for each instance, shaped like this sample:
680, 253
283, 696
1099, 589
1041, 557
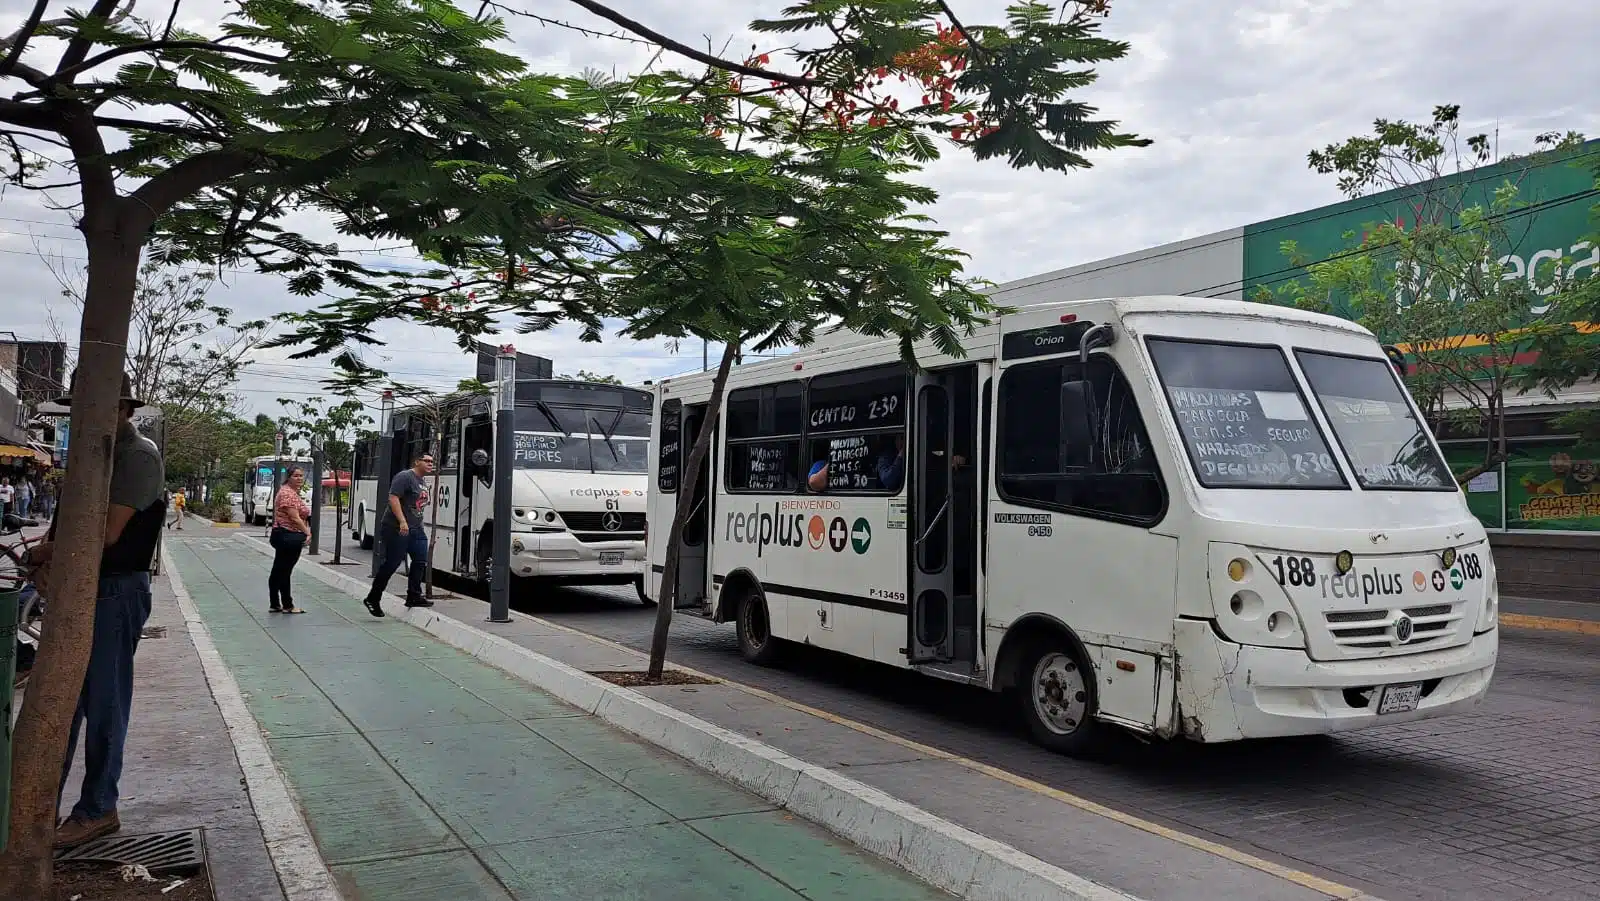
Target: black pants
287, 545
396, 548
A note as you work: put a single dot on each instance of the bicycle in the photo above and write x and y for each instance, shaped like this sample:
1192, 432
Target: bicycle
14, 569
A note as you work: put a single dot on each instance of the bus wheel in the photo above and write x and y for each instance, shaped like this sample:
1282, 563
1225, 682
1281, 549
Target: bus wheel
1056, 691
645, 599
756, 641
366, 540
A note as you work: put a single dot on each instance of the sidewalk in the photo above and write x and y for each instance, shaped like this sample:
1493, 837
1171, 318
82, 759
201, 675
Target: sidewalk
179, 769
424, 773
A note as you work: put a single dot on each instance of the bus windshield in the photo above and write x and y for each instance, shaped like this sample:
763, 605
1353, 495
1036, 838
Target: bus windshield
1243, 418
1373, 423
582, 439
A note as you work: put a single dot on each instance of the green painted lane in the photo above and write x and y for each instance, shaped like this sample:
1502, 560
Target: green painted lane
426, 774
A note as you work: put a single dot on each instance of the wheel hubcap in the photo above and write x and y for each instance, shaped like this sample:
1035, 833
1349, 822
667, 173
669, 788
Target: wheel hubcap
1059, 696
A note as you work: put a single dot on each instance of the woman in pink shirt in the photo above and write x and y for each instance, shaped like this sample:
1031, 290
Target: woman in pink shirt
289, 534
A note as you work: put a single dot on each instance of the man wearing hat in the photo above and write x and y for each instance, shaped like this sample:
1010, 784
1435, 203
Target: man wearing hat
133, 526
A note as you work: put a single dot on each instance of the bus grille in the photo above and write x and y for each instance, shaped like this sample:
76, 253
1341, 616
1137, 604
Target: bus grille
1362, 633
595, 521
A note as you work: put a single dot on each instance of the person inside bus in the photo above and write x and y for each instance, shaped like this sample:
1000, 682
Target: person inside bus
402, 534
289, 534
892, 466
817, 479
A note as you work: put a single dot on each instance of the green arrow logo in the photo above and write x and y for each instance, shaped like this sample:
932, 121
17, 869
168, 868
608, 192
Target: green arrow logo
861, 535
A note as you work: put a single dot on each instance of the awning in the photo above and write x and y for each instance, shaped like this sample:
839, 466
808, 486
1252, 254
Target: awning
10, 453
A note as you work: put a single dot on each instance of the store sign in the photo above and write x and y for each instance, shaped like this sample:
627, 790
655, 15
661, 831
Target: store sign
1553, 488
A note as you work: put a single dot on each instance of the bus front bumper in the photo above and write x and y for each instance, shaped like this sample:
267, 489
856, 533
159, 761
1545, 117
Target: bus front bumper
562, 555
1228, 691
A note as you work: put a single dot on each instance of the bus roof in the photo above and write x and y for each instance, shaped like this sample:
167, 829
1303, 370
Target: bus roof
1120, 307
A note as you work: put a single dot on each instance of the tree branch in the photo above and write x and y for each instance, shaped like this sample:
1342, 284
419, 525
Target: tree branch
79, 46
155, 46
682, 49
19, 40
194, 174
37, 116
166, 128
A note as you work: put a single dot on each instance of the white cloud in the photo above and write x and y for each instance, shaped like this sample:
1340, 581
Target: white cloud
1233, 94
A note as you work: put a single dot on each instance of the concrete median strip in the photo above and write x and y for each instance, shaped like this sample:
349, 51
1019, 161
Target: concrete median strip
944, 854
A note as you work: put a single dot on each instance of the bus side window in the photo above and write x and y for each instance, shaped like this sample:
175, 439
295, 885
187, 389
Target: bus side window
1116, 479
763, 443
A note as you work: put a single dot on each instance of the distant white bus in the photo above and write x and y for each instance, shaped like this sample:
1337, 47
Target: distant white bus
256, 505
1228, 522
580, 461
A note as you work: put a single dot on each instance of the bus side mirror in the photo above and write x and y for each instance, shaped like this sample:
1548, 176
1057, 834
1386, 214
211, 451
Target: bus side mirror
480, 458
1077, 415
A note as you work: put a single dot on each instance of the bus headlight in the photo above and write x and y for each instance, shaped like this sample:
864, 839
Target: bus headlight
1249, 606
1490, 617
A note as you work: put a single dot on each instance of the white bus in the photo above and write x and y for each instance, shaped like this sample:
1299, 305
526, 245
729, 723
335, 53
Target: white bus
1231, 523
256, 505
580, 465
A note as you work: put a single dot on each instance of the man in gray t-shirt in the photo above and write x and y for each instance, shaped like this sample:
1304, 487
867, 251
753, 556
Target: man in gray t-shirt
122, 605
403, 535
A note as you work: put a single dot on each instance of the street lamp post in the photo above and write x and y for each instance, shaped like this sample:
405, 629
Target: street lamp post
504, 450
316, 497
381, 466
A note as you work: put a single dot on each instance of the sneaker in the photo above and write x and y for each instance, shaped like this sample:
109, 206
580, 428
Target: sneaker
419, 602
75, 830
374, 606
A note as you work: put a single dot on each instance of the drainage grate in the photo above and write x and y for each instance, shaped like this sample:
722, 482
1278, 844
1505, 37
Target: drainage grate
181, 852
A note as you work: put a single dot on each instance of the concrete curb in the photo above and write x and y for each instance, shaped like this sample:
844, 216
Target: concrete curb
302, 873
951, 857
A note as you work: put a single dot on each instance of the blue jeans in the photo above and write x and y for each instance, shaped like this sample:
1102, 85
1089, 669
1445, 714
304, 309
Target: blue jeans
106, 702
396, 547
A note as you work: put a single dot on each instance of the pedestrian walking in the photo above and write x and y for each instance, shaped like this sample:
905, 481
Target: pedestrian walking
24, 497
179, 502
8, 495
288, 539
402, 534
47, 496
122, 606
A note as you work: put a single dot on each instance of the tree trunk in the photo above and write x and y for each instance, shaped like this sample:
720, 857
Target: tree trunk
680, 517
40, 739
338, 511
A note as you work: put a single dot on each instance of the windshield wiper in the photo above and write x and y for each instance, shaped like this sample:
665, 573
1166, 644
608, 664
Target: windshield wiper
551, 415
605, 435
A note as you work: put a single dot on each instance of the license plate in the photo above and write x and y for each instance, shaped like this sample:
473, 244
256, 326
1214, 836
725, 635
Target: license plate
610, 558
1400, 698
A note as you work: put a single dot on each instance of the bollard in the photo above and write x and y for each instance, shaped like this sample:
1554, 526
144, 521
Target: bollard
10, 607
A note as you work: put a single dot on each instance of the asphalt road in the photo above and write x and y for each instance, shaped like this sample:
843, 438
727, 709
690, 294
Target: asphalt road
1501, 804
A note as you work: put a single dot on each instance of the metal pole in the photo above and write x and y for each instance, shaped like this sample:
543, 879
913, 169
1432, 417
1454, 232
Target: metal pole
504, 470
277, 479
316, 498
380, 498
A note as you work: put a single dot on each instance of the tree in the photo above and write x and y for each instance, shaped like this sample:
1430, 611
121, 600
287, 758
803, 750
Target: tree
584, 375
1430, 278
184, 356
533, 195
329, 429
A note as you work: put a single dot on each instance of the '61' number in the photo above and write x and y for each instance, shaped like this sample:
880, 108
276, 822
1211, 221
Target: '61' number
1294, 571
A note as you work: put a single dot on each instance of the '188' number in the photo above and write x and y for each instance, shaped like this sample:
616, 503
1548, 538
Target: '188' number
1294, 571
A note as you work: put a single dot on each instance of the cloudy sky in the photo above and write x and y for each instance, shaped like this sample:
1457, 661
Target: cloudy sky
1233, 93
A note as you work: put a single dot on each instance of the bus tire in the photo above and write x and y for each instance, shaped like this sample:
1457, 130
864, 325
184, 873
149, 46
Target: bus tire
754, 624
644, 599
362, 536
1055, 690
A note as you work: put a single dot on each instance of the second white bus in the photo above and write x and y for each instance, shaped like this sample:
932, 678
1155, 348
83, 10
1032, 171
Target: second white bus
579, 461
1183, 517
